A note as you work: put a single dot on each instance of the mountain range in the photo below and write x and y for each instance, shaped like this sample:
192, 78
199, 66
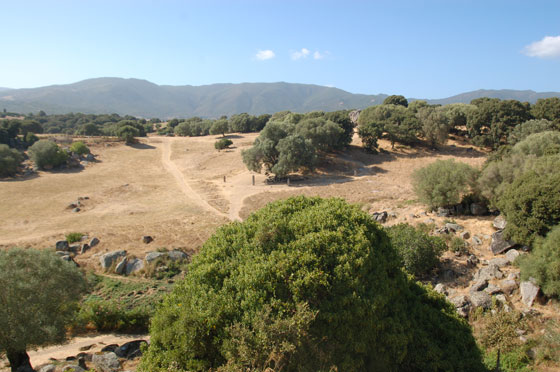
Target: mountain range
145, 99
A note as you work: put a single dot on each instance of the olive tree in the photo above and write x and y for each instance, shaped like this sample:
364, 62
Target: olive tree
10, 160
47, 154
435, 126
37, 294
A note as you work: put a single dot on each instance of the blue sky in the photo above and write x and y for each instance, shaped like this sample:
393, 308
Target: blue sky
424, 49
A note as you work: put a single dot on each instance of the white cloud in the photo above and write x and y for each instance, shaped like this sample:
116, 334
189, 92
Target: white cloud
303, 53
263, 55
318, 55
548, 47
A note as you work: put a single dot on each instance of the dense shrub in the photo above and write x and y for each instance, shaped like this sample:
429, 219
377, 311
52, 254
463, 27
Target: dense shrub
45, 154
539, 144
435, 126
419, 252
223, 143
531, 205
543, 263
10, 159
73, 237
31, 138
305, 285
111, 316
79, 148
524, 130
127, 133
442, 183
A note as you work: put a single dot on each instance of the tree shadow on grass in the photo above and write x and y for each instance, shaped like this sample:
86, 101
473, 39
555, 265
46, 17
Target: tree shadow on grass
141, 146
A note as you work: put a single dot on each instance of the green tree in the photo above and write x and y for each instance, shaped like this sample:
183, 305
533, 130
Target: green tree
89, 129
435, 126
127, 134
32, 126
524, 130
31, 138
220, 126
419, 252
324, 135
539, 144
444, 182
396, 100
10, 159
241, 123
543, 263
47, 154
294, 153
342, 118
549, 109
531, 206
37, 294
305, 284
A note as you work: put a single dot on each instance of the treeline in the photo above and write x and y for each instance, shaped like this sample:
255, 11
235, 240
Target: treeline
485, 121
193, 127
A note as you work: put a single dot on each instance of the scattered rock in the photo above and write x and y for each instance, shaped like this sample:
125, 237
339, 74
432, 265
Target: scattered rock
453, 227
108, 259
130, 350
93, 242
121, 266
476, 240
499, 223
472, 260
133, 266
429, 221
529, 292
176, 255
511, 255
501, 298
489, 272
508, 286
106, 362
478, 209
442, 230
62, 245
440, 288
392, 215
75, 248
85, 248
462, 305
76, 210
499, 261
47, 368
465, 235
479, 285
147, 239
492, 289
499, 244
152, 256
73, 368
444, 212
380, 216
481, 299
513, 276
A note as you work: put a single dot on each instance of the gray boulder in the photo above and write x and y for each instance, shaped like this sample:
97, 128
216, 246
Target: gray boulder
134, 265
93, 242
508, 286
478, 209
462, 305
476, 240
380, 216
453, 227
444, 212
479, 285
47, 368
492, 289
106, 362
152, 256
499, 223
121, 266
529, 292
62, 245
84, 249
489, 272
177, 255
481, 299
499, 261
499, 244
130, 350
472, 260
108, 259
511, 255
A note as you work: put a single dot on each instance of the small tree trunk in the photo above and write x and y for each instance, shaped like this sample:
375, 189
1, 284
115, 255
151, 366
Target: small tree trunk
19, 361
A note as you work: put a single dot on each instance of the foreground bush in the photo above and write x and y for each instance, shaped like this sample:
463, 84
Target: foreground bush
543, 263
531, 206
305, 284
46, 154
418, 251
444, 182
10, 159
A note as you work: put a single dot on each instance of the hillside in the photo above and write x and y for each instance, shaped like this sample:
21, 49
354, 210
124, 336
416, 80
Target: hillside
145, 99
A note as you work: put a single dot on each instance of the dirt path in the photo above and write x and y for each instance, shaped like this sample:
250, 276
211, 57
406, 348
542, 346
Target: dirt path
171, 167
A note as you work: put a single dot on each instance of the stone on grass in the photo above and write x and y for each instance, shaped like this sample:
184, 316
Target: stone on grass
176, 255
453, 227
492, 289
499, 244
62, 245
134, 265
147, 239
489, 272
121, 266
106, 362
511, 255
108, 259
499, 223
481, 299
476, 240
508, 286
152, 256
479, 285
93, 242
499, 261
130, 350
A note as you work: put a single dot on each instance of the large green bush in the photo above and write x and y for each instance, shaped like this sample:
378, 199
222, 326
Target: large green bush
531, 206
524, 130
539, 144
79, 148
444, 182
305, 284
418, 251
10, 159
543, 263
45, 154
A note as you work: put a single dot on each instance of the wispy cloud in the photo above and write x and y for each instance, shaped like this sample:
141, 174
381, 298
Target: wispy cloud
263, 55
303, 53
318, 55
548, 47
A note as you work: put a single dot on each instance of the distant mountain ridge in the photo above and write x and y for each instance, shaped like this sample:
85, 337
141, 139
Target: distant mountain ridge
145, 99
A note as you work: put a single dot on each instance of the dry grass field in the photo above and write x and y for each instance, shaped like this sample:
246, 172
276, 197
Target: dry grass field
173, 189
